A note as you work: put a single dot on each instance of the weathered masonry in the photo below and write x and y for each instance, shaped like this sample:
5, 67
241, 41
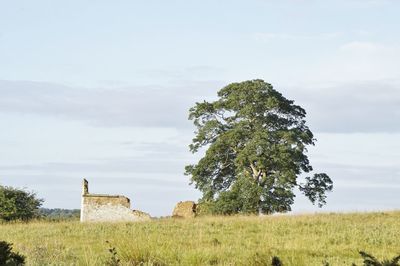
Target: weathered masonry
112, 208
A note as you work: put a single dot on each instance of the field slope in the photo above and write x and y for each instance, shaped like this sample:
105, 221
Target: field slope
295, 239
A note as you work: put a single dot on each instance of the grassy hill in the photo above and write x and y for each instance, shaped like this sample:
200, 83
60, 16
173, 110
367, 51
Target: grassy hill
296, 240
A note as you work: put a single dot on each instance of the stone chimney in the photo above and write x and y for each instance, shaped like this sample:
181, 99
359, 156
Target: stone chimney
85, 187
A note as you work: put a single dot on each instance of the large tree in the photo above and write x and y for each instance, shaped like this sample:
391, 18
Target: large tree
255, 142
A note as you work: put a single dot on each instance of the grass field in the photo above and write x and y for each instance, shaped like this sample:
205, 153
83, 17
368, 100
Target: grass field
296, 240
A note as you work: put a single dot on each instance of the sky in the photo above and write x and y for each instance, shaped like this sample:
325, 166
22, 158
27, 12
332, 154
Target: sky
101, 90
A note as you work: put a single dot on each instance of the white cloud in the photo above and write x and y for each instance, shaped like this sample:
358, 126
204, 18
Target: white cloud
352, 106
149, 106
369, 106
354, 62
362, 47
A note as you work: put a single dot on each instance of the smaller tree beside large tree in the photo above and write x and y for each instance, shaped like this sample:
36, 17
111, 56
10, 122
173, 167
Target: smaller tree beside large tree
255, 143
18, 204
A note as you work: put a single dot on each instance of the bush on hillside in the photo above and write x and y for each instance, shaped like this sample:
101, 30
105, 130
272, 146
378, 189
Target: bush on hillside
18, 204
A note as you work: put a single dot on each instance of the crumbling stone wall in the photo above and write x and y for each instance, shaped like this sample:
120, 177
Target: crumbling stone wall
113, 208
185, 209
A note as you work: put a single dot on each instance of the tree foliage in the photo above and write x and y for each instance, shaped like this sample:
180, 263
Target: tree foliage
59, 214
252, 132
18, 204
242, 197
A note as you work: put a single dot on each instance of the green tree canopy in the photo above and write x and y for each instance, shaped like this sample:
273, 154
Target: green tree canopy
18, 204
253, 132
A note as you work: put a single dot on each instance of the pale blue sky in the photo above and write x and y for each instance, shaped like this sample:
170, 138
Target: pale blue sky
101, 89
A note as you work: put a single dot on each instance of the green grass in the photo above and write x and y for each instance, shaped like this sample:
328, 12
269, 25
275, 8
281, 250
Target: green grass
296, 240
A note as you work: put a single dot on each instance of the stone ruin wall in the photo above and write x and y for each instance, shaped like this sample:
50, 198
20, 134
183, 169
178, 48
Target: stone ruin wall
110, 208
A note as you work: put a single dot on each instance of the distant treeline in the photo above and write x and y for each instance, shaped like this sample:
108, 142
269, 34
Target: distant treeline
59, 214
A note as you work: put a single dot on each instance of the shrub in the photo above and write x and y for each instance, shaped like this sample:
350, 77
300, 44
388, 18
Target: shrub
204, 207
18, 204
9, 258
113, 260
370, 260
276, 261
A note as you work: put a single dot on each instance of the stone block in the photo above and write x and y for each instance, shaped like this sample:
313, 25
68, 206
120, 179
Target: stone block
185, 209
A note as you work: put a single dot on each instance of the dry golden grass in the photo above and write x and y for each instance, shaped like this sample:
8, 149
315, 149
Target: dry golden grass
295, 239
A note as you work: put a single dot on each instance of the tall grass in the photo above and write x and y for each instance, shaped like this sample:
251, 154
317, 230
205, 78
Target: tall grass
296, 240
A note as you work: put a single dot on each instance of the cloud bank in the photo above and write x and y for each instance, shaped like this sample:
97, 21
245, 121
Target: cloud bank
351, 107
